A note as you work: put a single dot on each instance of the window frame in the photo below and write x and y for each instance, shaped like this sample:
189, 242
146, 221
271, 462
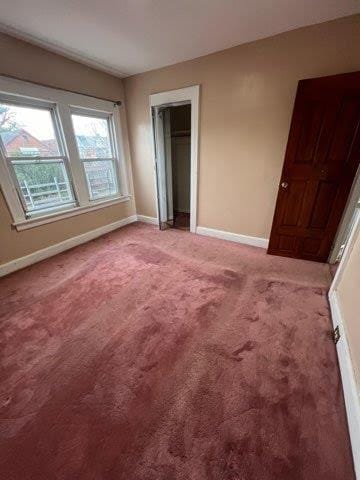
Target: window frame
61, 104
62, 157
85, 112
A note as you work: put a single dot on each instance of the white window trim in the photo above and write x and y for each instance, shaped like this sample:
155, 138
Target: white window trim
112, 137
60, 215
66, 103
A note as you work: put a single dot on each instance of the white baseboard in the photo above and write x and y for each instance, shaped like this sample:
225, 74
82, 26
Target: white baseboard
233, 237
211, 232
52, 250
351, 393
145, 219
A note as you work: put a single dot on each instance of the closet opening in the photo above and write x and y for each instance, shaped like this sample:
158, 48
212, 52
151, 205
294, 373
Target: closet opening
172, 139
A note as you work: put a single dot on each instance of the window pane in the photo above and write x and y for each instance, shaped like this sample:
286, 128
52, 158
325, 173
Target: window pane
92, 136
43, 185
27, 132
101, 178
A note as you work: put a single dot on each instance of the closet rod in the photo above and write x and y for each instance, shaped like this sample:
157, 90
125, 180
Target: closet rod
116, 102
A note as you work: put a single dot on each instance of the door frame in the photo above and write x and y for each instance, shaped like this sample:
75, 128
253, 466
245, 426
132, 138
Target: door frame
347, 217
160, 164
171, 98
355, 231
349, 385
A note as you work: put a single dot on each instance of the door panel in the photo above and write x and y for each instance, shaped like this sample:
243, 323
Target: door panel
321, 159
295, 192
323, 203
312, 119
345, 131
286, 243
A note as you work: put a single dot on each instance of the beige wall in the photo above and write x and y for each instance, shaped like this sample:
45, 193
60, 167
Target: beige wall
28, 62
247, 96
348, 292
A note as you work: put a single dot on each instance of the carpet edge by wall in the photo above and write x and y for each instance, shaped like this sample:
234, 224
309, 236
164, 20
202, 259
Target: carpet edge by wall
146, 219
212, 232
72, 242
351, 394
233, 237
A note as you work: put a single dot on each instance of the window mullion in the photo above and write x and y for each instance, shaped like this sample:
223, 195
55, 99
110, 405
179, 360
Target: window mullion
10, 189
75, 164
16, 185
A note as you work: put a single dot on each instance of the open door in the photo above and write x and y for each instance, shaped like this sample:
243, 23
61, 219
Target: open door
322, 156
161, 125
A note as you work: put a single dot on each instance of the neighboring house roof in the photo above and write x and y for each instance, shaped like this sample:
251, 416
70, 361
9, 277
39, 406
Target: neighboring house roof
90, 146
8, 137
20, 140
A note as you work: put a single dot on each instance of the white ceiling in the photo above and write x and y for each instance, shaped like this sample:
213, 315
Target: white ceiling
131, 36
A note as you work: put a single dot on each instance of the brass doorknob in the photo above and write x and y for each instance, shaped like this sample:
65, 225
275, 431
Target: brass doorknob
284, 184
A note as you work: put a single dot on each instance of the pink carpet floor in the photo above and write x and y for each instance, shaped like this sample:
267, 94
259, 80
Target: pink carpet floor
148, 355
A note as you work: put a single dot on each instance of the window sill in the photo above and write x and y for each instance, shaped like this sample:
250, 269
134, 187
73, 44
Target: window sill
60, 215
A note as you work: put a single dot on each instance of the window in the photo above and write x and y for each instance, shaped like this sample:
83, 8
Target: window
34, 157
59, 156
95, 147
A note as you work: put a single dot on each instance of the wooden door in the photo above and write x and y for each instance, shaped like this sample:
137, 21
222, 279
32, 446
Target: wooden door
321, 159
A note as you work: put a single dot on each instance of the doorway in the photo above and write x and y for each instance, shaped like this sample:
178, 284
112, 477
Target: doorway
347, 222
321, 161
174, 117
172, 127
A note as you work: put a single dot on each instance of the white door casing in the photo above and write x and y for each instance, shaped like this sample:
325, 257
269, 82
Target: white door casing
175, 97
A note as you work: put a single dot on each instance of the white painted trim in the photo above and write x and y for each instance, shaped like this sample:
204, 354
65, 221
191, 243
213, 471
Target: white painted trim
351, 394
233, 237
160, 161
53, 217
348, 249
52, 95
52, 250
145, 219
192, 95
347, 217
60, 103
210, 232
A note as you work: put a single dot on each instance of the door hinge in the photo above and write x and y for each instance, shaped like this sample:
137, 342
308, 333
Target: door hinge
336, 334
341, 251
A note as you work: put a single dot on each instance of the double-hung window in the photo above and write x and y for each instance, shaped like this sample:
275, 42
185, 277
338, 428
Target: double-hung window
34, 153
60, 153
96, 149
